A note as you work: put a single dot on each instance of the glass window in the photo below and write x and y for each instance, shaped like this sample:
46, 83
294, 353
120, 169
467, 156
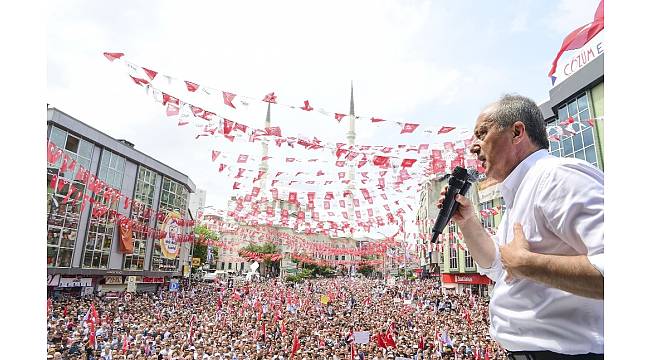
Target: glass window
590, 155
567, 146
141, 212
577, 145
573, 108
577, 141
583, 103
58, 136
562, 114
63, 217
85, 149
72, 144
469, 261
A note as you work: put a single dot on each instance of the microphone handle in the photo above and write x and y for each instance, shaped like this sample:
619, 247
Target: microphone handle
462, 191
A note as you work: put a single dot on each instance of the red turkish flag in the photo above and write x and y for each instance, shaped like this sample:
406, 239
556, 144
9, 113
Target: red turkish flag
339, 117
150, 73
228, 98
139, 81
290, 160
445, 129
341, 175
409, 128
296, 343
221, 167
355, 202
191, 87
326, 205
242, 158
342, 203
320, 172
580, 36
329, 195
113, 56
235, 185
273, 131
380, 160
240, 127
340, 163
215, 154
408, 162
270, 98
370, 212
293, 197
172, 109
227, 126
307, 107
168, 98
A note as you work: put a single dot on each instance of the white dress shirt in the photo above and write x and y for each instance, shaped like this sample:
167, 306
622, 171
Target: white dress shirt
559, 203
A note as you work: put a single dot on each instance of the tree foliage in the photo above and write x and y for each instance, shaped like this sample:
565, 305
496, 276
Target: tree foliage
200, 247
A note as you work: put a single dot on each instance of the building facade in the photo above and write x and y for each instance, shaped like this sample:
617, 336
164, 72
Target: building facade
83, 247
575, 113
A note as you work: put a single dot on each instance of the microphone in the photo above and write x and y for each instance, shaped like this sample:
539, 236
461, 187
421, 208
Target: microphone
459, 182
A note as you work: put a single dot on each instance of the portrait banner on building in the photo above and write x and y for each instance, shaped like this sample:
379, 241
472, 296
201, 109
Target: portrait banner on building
126, 237
169, 245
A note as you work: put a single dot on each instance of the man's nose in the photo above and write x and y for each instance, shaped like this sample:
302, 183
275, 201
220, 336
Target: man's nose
475, 147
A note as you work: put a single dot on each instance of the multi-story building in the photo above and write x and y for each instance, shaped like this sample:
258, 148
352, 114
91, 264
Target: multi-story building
574, 112
84, 251
197, 202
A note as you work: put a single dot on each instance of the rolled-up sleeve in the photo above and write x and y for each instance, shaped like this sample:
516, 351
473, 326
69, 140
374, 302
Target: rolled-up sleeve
598, 261
496, 268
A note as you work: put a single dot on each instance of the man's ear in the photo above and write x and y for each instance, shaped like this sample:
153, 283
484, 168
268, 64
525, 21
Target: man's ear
518, 131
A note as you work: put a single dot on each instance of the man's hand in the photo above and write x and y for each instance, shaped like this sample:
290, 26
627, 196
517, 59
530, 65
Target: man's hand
515, 255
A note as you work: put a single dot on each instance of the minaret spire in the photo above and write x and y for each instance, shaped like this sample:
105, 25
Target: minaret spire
351, 137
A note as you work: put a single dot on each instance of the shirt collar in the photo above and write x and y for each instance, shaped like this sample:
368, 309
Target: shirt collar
511, 183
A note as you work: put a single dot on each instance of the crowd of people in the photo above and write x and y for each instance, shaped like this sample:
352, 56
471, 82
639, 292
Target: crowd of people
316, 319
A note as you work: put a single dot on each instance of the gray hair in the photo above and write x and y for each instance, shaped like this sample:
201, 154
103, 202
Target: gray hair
512, 108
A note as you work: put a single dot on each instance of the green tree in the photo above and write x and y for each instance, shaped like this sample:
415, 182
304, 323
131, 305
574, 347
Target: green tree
265, 248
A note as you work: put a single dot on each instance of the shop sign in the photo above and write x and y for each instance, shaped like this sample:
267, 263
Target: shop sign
113, 280
134, 279
75, 282
476, 279
489, 193
53, 279
154, 280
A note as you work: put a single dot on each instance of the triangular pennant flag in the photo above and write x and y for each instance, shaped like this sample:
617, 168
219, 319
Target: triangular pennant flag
270, 98
307, 107
113, 56
374, 119
409, 128
191, 87
152, 74
445, 129
227, 99
339, 117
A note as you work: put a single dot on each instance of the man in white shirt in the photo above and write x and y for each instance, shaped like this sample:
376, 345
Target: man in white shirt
547, 256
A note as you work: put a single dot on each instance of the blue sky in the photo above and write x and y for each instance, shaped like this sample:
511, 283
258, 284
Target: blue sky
429, 62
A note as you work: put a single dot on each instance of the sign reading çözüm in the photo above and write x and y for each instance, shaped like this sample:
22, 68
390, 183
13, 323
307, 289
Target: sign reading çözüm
574, 60
169, 246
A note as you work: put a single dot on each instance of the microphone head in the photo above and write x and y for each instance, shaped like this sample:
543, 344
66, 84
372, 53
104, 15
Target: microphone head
460, 173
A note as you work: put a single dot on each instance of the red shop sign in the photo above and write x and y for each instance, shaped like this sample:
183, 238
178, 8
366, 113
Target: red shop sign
157, 280
476, 279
